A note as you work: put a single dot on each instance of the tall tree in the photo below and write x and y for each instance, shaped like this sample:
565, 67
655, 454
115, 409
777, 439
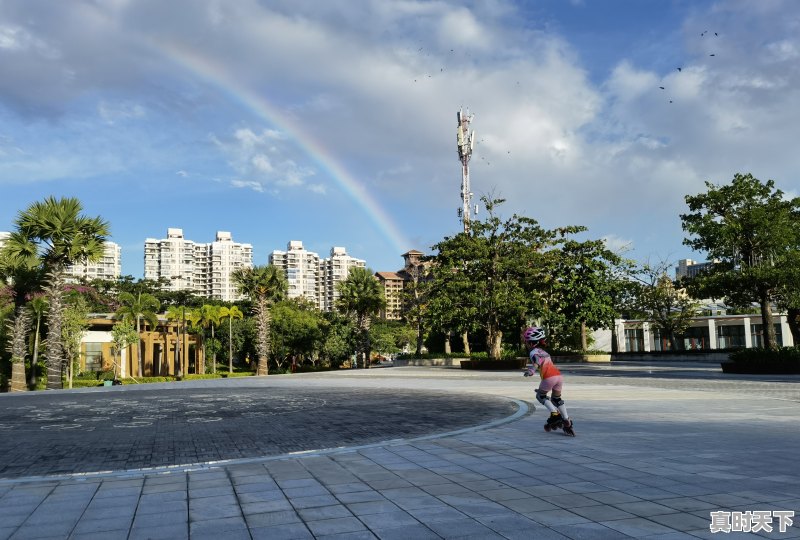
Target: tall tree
582, 285
416, 298
57, 231
295, 330
134, 308
123, 334
669, 308
211, 318
750, 229
75, 323
498, 271
230, 313
38, 308
361, 297
264, 285
20, 265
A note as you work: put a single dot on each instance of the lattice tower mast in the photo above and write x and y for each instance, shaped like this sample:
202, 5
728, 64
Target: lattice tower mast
466, 141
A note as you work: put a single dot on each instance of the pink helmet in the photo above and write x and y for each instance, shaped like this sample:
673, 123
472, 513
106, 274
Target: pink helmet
533, 333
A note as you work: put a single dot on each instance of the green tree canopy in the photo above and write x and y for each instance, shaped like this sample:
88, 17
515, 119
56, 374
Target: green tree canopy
750, 230
495, 276
264, 285
361, 297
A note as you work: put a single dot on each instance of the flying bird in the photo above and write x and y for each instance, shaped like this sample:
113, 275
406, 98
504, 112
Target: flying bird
678, 69
661, 87
712, 54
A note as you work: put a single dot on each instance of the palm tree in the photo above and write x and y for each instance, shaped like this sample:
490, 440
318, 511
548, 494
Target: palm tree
263, 285
178, 315
230, 313
57, 232
21, 266
134, 308
18, 328
361, 297
210, 318
194, 318
38, 307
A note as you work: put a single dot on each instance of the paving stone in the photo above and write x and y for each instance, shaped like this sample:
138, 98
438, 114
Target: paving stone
634, 471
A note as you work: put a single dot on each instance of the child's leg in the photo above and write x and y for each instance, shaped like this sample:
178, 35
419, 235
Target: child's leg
557, 401
541, 394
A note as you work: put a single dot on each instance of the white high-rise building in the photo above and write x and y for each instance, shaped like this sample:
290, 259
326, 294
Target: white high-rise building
107, 267
333, 271
312, 277
203, 268
301, 268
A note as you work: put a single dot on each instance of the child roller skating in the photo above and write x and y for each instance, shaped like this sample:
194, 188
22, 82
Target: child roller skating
551, 381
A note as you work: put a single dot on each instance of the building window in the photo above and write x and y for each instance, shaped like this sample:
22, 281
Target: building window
729, 337
696, 338
757, 335
634, 339
94, 357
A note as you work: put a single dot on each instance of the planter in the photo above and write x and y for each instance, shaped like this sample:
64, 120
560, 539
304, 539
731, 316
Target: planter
582, 358
761, 368
108, 383
508, 363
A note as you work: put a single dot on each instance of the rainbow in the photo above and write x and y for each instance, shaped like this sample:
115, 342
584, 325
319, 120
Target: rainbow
216, 75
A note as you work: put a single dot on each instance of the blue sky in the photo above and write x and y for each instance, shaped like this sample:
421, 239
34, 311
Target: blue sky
334, 122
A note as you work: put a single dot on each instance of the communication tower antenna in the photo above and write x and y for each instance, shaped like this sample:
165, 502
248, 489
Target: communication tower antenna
466, 141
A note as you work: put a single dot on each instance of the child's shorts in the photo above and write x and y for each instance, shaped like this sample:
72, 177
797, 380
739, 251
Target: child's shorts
552, 383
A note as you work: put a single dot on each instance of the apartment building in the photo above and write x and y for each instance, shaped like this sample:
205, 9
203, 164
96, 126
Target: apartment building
687, 268
393, 283
311, 277
202, 268
109, 266
333, 271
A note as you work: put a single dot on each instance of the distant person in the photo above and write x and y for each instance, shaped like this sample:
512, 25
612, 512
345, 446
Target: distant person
551, 380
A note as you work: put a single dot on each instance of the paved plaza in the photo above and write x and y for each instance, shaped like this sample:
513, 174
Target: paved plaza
662, 451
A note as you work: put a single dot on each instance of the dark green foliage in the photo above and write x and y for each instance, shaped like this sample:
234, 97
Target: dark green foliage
782, 360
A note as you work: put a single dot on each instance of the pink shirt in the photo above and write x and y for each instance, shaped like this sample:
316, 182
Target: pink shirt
540, 359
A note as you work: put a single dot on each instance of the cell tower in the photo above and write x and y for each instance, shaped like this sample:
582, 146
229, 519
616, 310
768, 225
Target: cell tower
466, 140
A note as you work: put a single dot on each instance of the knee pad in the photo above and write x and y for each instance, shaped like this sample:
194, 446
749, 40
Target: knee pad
557, 401
541, 397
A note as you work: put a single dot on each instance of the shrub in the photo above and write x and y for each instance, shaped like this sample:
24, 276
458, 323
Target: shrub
783, 360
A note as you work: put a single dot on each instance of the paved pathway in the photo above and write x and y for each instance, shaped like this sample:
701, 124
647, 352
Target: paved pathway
658, 450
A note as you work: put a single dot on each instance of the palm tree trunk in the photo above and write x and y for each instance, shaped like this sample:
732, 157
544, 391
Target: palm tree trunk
465, 340
140, 348
53, 342
214, 356
19, 334
230, 344
35, 359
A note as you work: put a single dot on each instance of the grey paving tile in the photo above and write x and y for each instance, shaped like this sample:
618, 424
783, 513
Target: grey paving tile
438, 513
644, 508
326, 527
268, 519
313, 501
460, 528
417, 532
388, 520
589, 531
681, 521
291, 531
637, 527
324, 512
372, 507
214, 512
175, 531
220, 526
